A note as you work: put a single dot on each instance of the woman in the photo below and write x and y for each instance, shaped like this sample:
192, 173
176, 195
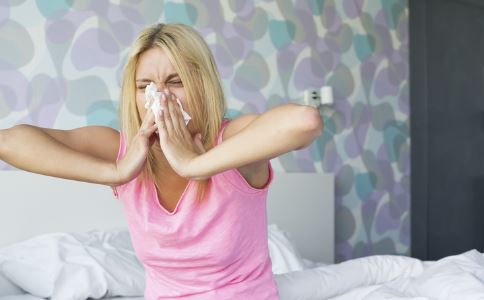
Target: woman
194, 195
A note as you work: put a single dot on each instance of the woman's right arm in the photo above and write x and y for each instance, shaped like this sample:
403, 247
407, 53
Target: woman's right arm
84, 154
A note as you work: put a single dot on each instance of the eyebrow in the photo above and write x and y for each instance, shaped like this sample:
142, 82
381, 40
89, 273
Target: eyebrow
173, 75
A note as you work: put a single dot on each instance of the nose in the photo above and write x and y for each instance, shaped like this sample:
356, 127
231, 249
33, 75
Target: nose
160, 86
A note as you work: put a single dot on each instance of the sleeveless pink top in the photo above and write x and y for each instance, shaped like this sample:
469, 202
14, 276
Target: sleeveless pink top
217, 250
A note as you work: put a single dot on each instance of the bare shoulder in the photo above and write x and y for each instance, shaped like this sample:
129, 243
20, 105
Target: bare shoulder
98, 141
256, 173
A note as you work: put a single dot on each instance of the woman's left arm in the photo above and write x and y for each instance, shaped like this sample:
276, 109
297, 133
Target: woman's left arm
279, 130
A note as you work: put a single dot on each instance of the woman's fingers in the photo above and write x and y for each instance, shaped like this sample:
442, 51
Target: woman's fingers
152, 129
148, 118
174, 115
171, 119
161, 124
148, 124
180, 121
166, 115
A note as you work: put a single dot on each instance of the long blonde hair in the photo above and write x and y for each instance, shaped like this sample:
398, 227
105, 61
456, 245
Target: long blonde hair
192, 59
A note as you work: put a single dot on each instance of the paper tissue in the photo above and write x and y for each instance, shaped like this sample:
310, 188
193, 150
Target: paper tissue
155, 105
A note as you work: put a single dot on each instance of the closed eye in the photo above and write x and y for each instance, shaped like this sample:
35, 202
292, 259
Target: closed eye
171, 82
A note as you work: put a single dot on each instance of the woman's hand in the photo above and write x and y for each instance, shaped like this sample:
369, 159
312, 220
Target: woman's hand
133, 162
176, 142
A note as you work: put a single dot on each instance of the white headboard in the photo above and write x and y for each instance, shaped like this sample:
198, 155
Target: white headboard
303, 205
31, 204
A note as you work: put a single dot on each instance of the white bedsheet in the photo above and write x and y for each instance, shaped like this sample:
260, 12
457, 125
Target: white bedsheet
379, 277
98, 264
74, 266
30, 297
389, 277
68, 266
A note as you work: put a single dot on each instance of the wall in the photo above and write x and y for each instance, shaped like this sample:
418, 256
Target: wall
61, 63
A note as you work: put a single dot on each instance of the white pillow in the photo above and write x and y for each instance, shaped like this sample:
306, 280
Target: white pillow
75, 266
284, 255
21, 297
7, 288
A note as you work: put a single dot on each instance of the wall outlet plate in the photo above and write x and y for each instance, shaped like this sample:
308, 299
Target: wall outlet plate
312, 97
326, 95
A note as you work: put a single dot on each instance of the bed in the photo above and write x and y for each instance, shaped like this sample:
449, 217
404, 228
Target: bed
301, 240
300, 214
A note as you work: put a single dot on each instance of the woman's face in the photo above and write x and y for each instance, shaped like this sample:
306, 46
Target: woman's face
154, 66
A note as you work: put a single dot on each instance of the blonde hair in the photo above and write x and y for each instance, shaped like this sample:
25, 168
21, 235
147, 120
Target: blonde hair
192, 59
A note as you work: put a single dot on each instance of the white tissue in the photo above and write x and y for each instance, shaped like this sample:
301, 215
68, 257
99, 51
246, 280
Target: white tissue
156, 106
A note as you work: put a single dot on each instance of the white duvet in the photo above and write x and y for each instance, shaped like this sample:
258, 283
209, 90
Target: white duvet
72, 266
103, 264
459, 277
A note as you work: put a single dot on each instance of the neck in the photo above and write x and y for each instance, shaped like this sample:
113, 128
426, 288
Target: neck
164, 170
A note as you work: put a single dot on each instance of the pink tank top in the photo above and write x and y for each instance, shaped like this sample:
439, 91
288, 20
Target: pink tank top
218, 250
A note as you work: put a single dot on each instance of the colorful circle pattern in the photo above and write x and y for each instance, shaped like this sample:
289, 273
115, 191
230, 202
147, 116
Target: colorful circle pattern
61, 64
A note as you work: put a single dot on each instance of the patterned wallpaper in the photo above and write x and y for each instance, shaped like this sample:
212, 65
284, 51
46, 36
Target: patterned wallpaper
61, 63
